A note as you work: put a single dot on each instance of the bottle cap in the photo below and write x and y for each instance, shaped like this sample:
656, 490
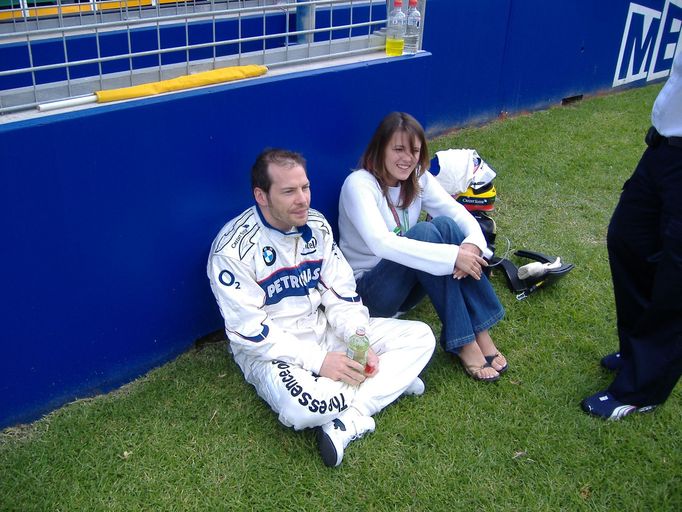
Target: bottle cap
397, 3
413, 3
360, 331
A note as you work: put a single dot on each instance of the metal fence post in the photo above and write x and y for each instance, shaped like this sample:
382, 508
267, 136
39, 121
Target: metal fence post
305, 20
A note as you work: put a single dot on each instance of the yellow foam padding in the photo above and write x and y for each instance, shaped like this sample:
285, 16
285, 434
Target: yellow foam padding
182, 82
115, 4
45, 11
73, 9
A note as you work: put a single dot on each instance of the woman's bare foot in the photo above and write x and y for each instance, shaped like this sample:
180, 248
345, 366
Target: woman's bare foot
490, 352
475, 365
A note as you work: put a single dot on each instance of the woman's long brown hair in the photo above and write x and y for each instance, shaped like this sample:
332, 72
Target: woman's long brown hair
373, 159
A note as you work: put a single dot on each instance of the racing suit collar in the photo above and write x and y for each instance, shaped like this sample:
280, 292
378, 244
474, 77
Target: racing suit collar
305, 231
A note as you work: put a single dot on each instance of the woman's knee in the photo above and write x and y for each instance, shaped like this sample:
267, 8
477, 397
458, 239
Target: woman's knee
448, 229
426, 232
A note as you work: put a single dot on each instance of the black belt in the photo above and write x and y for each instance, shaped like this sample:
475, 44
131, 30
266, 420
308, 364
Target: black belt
653, 139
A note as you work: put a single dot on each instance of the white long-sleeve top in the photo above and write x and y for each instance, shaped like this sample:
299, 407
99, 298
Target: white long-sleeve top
366, 226
270, 285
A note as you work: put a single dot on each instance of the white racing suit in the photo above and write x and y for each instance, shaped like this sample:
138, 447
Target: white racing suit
289, 298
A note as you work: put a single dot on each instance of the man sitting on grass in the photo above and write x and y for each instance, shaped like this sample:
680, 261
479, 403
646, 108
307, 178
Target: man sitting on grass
288, 298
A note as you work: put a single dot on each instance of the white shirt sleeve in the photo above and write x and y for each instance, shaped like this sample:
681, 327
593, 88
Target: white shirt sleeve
436, 201
362, 203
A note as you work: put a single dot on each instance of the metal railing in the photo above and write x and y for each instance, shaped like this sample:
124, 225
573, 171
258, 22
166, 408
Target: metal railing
70, 49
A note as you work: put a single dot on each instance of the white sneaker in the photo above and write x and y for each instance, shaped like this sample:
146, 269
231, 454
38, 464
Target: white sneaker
333, 437
416, 388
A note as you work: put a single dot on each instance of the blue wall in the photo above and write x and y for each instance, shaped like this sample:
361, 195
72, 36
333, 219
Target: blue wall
495, 56
108, 213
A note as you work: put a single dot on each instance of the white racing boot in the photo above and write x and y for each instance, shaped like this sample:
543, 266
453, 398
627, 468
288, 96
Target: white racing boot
537, 269
333, 437
416, 388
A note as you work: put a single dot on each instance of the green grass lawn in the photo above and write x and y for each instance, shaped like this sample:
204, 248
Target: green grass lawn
192, 435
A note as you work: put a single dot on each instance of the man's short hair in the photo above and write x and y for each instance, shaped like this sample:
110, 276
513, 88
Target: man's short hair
260, 177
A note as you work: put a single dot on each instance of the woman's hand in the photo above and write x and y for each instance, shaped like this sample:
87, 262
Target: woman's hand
469, 262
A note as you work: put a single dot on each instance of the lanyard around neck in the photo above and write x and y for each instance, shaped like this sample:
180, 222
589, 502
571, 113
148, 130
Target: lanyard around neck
400, 228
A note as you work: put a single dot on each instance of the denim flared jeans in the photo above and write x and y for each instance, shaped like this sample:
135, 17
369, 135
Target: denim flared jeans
465, 306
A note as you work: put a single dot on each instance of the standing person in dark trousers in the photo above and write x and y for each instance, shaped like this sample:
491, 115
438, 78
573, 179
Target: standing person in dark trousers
645, 253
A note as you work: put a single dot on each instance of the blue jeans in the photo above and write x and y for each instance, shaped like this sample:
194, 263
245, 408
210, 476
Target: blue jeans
465, 306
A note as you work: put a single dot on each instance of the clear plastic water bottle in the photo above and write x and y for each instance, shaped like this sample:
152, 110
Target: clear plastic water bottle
358, 345
395, 30
414, 21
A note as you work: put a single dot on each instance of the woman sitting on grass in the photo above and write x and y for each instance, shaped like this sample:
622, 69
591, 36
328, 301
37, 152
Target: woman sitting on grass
397, 260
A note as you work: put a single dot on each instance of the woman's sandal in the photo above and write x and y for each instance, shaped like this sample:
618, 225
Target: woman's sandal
475, 372
490, 360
